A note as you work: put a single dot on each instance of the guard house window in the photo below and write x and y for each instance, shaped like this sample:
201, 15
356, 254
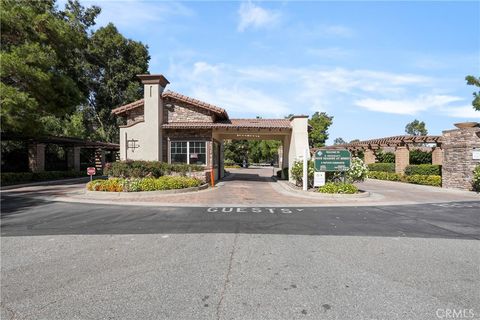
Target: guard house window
191, 152
179, 152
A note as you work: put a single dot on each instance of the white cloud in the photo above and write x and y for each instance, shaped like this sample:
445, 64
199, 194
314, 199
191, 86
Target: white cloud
275, 91
407, 106
134, 14
253, 16
466, 112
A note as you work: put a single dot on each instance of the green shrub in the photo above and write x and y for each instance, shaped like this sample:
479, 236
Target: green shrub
390, 176
297, 172
143, 184
141, 169
429, 180
383, 167
476, 178
385, 157
424, 169
358, 170
9, 178
229, 162
420, 157
342, 188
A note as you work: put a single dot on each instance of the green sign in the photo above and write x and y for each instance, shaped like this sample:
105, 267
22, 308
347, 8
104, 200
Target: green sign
332, 160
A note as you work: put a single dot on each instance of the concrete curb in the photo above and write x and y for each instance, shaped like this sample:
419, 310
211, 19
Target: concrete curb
424, 187
317, 195
140, 194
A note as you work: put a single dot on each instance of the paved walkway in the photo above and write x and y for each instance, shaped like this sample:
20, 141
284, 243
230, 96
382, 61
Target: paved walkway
255, 187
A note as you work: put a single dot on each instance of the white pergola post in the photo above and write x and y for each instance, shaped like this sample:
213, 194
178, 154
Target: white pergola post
305, 169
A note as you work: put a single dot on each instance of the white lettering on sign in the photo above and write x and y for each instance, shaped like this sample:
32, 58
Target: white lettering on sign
252, 210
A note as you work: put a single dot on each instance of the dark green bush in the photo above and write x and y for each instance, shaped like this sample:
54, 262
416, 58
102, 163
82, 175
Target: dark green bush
382, 167
141, 169
285, 173
341, 188
424, 169
420, 157
385, 157
9, 178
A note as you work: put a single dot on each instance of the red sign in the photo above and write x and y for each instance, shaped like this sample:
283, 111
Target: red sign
91, 171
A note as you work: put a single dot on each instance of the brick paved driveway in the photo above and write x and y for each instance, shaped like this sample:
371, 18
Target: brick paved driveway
255, 187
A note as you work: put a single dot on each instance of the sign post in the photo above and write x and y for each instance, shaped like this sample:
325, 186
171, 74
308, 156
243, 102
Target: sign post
305, 170
91, 172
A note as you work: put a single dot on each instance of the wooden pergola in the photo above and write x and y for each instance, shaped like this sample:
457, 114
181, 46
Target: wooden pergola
36, 149
395, 141
402, 145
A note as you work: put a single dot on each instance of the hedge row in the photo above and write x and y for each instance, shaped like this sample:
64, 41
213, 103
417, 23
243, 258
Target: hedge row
9, 178
141, 169
424, 169
382, 167
143, 184
430, 180
339, 188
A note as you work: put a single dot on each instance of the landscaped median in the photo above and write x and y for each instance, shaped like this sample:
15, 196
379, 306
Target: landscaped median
424, 174
138, 176
338, 184
143, 184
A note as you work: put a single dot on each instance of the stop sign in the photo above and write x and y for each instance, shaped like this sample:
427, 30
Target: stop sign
91, 171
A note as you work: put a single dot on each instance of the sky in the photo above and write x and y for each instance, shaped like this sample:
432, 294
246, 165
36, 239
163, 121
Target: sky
373, 66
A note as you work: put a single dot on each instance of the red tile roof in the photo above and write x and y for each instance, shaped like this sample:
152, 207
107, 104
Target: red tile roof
127, 107
232, 123
175, 96
180, 97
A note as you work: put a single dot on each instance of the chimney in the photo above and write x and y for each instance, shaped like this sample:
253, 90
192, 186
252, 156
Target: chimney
153, 85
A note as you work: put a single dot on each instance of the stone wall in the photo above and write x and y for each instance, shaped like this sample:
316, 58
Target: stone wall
188, 135
181, 112
135, 115
458, 163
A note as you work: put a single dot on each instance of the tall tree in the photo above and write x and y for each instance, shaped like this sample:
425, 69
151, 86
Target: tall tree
474, 81
416, 128
113, 63
319, 122
40, 54
339, 141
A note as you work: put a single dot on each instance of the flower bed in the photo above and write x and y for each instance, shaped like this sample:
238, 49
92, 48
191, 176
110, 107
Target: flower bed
143, 184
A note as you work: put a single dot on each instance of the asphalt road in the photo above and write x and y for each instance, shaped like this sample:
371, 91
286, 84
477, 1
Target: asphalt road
83, 261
